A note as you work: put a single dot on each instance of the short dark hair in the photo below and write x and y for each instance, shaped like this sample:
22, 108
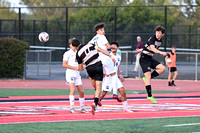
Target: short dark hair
99, 26
75, 42
115, 43
160, 28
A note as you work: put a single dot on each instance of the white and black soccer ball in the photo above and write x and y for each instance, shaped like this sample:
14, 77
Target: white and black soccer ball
43, 37
169, 60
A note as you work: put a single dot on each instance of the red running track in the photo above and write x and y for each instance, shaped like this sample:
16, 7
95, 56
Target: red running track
26, 112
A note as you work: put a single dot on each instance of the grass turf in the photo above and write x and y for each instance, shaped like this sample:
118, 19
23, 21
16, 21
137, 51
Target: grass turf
155, 125
56, 92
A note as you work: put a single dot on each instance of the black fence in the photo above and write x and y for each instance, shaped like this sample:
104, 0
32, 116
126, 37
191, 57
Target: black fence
26, 25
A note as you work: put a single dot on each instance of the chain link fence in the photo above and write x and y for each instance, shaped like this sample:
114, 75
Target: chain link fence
123, 24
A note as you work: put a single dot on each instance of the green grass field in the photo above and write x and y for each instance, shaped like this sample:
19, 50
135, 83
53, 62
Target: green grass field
156, 125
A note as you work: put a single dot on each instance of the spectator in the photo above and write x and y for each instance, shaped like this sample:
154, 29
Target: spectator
139, 49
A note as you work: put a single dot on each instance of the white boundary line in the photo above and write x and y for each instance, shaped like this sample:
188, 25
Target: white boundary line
180, 125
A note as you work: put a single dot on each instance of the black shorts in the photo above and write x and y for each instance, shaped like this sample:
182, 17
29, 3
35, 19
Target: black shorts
172, 69
147, 63
95, 71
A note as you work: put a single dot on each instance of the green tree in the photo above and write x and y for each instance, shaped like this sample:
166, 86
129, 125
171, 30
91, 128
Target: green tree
47, 13
7, 13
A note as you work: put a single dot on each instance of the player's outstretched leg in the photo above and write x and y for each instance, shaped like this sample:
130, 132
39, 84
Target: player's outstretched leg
148, 87
97, 95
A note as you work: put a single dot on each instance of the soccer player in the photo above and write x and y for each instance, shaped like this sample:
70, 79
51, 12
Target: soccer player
100, 40
147, 62
105, 86
89, 55
73, 77
172, 66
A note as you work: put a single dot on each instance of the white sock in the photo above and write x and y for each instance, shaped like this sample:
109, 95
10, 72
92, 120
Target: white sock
71, 100
125, 105
114, 84
82, 102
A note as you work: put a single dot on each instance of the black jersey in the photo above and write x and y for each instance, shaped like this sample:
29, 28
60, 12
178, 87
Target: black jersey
152, 41
87, 54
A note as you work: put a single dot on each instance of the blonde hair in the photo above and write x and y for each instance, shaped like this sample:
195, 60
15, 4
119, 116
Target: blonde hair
71, 39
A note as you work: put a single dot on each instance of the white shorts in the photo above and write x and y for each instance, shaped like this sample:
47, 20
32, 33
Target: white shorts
76, 80
107, 85
108, 65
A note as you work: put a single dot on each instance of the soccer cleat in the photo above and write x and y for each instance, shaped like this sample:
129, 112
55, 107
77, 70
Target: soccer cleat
117, 98
72, 110
152, 99
172, 84
127, 110
144, 79
83, 110
93, 109
99, 103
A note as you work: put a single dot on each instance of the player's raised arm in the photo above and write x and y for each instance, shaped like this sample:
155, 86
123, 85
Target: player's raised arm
110, 46
152, 47
105, 52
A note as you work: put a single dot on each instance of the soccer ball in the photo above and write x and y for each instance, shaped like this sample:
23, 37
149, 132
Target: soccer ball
169, 60
43, 37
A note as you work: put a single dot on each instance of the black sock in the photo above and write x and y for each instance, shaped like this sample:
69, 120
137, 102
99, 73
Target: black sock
172, 81
148, 88
169, 83
96, 100
154, 74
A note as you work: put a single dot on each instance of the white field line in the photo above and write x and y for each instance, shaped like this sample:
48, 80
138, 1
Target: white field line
180, 125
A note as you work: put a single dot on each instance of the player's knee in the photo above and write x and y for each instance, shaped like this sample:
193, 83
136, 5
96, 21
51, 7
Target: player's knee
163, 68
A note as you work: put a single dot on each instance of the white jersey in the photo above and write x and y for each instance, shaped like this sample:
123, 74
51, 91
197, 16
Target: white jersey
100, 41
70, 57
117, 61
